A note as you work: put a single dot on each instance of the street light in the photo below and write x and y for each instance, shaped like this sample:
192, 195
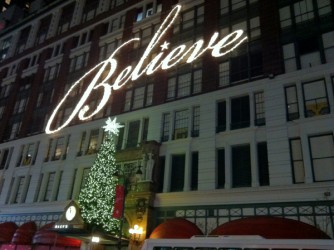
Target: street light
136, 233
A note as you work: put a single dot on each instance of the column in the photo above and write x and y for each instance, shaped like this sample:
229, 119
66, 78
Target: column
306, 158
228, 167
254, 163
167, 175
187, 170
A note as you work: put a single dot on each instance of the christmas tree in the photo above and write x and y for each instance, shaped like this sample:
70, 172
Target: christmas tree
97, 197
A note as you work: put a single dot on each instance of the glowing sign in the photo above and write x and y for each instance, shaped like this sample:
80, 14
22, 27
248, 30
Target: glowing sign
162, 61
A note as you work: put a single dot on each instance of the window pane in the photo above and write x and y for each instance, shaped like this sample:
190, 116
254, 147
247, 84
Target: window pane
240, 113
316, 102
322, 152
241, 166
178, 167
181, 124
291, 103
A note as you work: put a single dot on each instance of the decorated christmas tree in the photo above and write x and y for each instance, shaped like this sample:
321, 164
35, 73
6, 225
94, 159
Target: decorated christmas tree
97, 197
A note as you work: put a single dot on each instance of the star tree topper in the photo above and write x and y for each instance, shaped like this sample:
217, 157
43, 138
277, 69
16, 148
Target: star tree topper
112, 126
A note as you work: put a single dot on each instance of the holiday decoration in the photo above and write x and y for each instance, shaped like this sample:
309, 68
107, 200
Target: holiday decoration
97, 197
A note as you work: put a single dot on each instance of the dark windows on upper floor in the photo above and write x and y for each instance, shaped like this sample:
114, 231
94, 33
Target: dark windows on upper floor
5, 157
5, 45
66, 17
314, 97
22, 42
190, 19
321, 156
28, 154
148, 10
178, 173
240, 112
89, 10
228, 6
304, 12
43, 29
185, 84
185, 123
138, 97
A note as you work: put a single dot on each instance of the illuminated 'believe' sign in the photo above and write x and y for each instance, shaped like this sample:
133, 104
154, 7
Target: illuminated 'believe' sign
161, 61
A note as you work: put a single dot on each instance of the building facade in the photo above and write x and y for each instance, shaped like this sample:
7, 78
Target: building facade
248, 133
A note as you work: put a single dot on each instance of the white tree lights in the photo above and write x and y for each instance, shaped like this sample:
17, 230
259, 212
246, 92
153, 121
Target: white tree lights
97, 197
162, 61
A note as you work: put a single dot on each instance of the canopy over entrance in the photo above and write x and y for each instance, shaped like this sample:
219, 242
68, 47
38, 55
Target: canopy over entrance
270, 228
178, 228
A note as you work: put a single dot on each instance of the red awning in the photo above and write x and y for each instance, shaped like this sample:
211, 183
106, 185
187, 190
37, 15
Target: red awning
45, 236
23, 235
175, 228
270, 228
7, 230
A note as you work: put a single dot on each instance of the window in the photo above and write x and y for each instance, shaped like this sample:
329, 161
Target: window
5, 90
117, 23
23, 40
221, 168
133, 134
165, 127
195, 122
93, 140
20, 105
60, 142
322, 156
79, 62
82, 143
184, 85
191, 18
19, 191
240, 113
289, 56
259, 109
328, 43
285, 17
49, 186
145, 35
43, 29
221, 116
181, 124
291, 103
161, 174
29, 153
262, 158
315, 98
148, 10
224, 74
5, 45
66, 17
138, 97
89, 10
84, 178
303, 11
178, 168
194, 171
107, 49
51, 72
14, 130
241, 166
120, 139
309, 52
298, 169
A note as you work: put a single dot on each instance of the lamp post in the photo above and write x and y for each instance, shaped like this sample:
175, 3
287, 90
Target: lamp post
136, 233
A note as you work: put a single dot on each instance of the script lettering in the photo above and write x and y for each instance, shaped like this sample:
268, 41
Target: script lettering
163, 60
